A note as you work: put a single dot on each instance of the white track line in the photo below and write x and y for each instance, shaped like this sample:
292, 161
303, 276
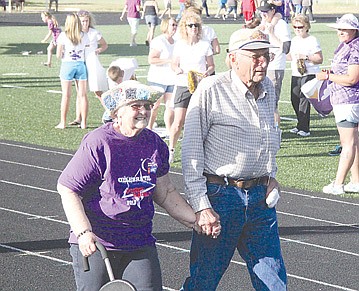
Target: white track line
185, 250
31, 166
159, 244
166, 214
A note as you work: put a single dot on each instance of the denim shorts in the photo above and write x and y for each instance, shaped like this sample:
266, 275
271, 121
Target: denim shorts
73, 70
165, 88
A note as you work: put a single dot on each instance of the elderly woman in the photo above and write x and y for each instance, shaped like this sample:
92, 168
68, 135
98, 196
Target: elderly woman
344, 96
306, 50
108, 189
160, 73
191, 53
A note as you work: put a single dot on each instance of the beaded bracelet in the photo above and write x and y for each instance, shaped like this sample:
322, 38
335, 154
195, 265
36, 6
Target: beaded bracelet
82, 233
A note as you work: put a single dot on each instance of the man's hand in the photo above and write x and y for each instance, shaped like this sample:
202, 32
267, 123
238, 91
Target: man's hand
272, 195
208, 223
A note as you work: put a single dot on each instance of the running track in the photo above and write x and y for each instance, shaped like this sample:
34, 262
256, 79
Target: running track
319, 233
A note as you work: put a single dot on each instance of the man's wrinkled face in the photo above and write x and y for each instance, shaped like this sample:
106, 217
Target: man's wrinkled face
251, 65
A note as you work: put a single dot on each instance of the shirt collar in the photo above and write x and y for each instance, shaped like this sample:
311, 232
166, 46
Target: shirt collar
244, 89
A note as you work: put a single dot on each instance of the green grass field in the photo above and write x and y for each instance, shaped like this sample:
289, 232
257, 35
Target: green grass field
30, 101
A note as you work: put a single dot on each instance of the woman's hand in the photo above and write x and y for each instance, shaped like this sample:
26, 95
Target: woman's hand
208, 223
178, 71
323, 75
87, 244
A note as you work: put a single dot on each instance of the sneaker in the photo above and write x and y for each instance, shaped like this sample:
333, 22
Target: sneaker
351, 187
313, 21
333, 189
217, 16
172, 156
303, 133
224, 17
294, 130
336, 151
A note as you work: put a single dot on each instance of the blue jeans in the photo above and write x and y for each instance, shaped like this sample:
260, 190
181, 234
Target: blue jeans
141, 268
249, 226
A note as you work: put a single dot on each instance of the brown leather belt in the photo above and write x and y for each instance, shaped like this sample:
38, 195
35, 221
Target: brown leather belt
243, 184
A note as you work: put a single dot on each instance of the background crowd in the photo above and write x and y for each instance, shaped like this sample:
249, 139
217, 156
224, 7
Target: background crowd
256, 57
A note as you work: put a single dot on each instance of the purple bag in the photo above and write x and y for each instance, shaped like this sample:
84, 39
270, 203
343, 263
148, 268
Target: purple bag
318, 94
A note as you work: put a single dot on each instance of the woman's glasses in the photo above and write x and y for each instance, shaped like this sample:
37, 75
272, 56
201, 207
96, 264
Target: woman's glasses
138, 107
298, 27
191, 25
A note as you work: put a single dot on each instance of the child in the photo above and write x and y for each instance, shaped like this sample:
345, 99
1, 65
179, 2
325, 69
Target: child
120, 70
54, 30
115, 76
71, 50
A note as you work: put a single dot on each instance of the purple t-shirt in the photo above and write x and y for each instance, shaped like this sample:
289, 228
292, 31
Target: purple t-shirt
346, 54
116, 176
132, 11
54, 29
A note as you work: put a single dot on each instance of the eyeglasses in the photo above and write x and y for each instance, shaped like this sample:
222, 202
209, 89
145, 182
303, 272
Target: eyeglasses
191, 25
257, 57
298, 27
138, 107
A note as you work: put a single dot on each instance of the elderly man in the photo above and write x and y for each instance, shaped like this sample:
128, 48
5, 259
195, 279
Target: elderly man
228, 158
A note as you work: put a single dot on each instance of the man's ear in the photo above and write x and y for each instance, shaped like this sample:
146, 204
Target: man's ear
232, 57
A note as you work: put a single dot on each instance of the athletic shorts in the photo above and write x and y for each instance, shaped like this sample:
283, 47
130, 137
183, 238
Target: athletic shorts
73, 70
182, 97
346, 112
165, 88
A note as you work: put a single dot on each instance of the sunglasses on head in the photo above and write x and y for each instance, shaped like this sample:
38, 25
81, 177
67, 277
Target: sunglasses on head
191, 25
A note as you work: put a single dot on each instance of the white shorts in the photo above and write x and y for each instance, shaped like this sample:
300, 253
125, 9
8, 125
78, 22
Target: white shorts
348, 112
134, 23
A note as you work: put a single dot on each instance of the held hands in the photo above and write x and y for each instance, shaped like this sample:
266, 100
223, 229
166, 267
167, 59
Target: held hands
208, 223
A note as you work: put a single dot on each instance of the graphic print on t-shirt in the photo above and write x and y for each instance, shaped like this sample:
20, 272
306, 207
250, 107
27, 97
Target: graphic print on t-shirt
140, 185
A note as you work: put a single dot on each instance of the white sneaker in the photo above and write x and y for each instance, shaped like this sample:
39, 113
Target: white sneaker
333, 189
171, 157
351, 187
303, 133
294, 130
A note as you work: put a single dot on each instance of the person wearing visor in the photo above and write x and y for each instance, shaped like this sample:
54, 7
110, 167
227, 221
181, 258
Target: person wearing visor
108, 189
229, 165
343, 78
